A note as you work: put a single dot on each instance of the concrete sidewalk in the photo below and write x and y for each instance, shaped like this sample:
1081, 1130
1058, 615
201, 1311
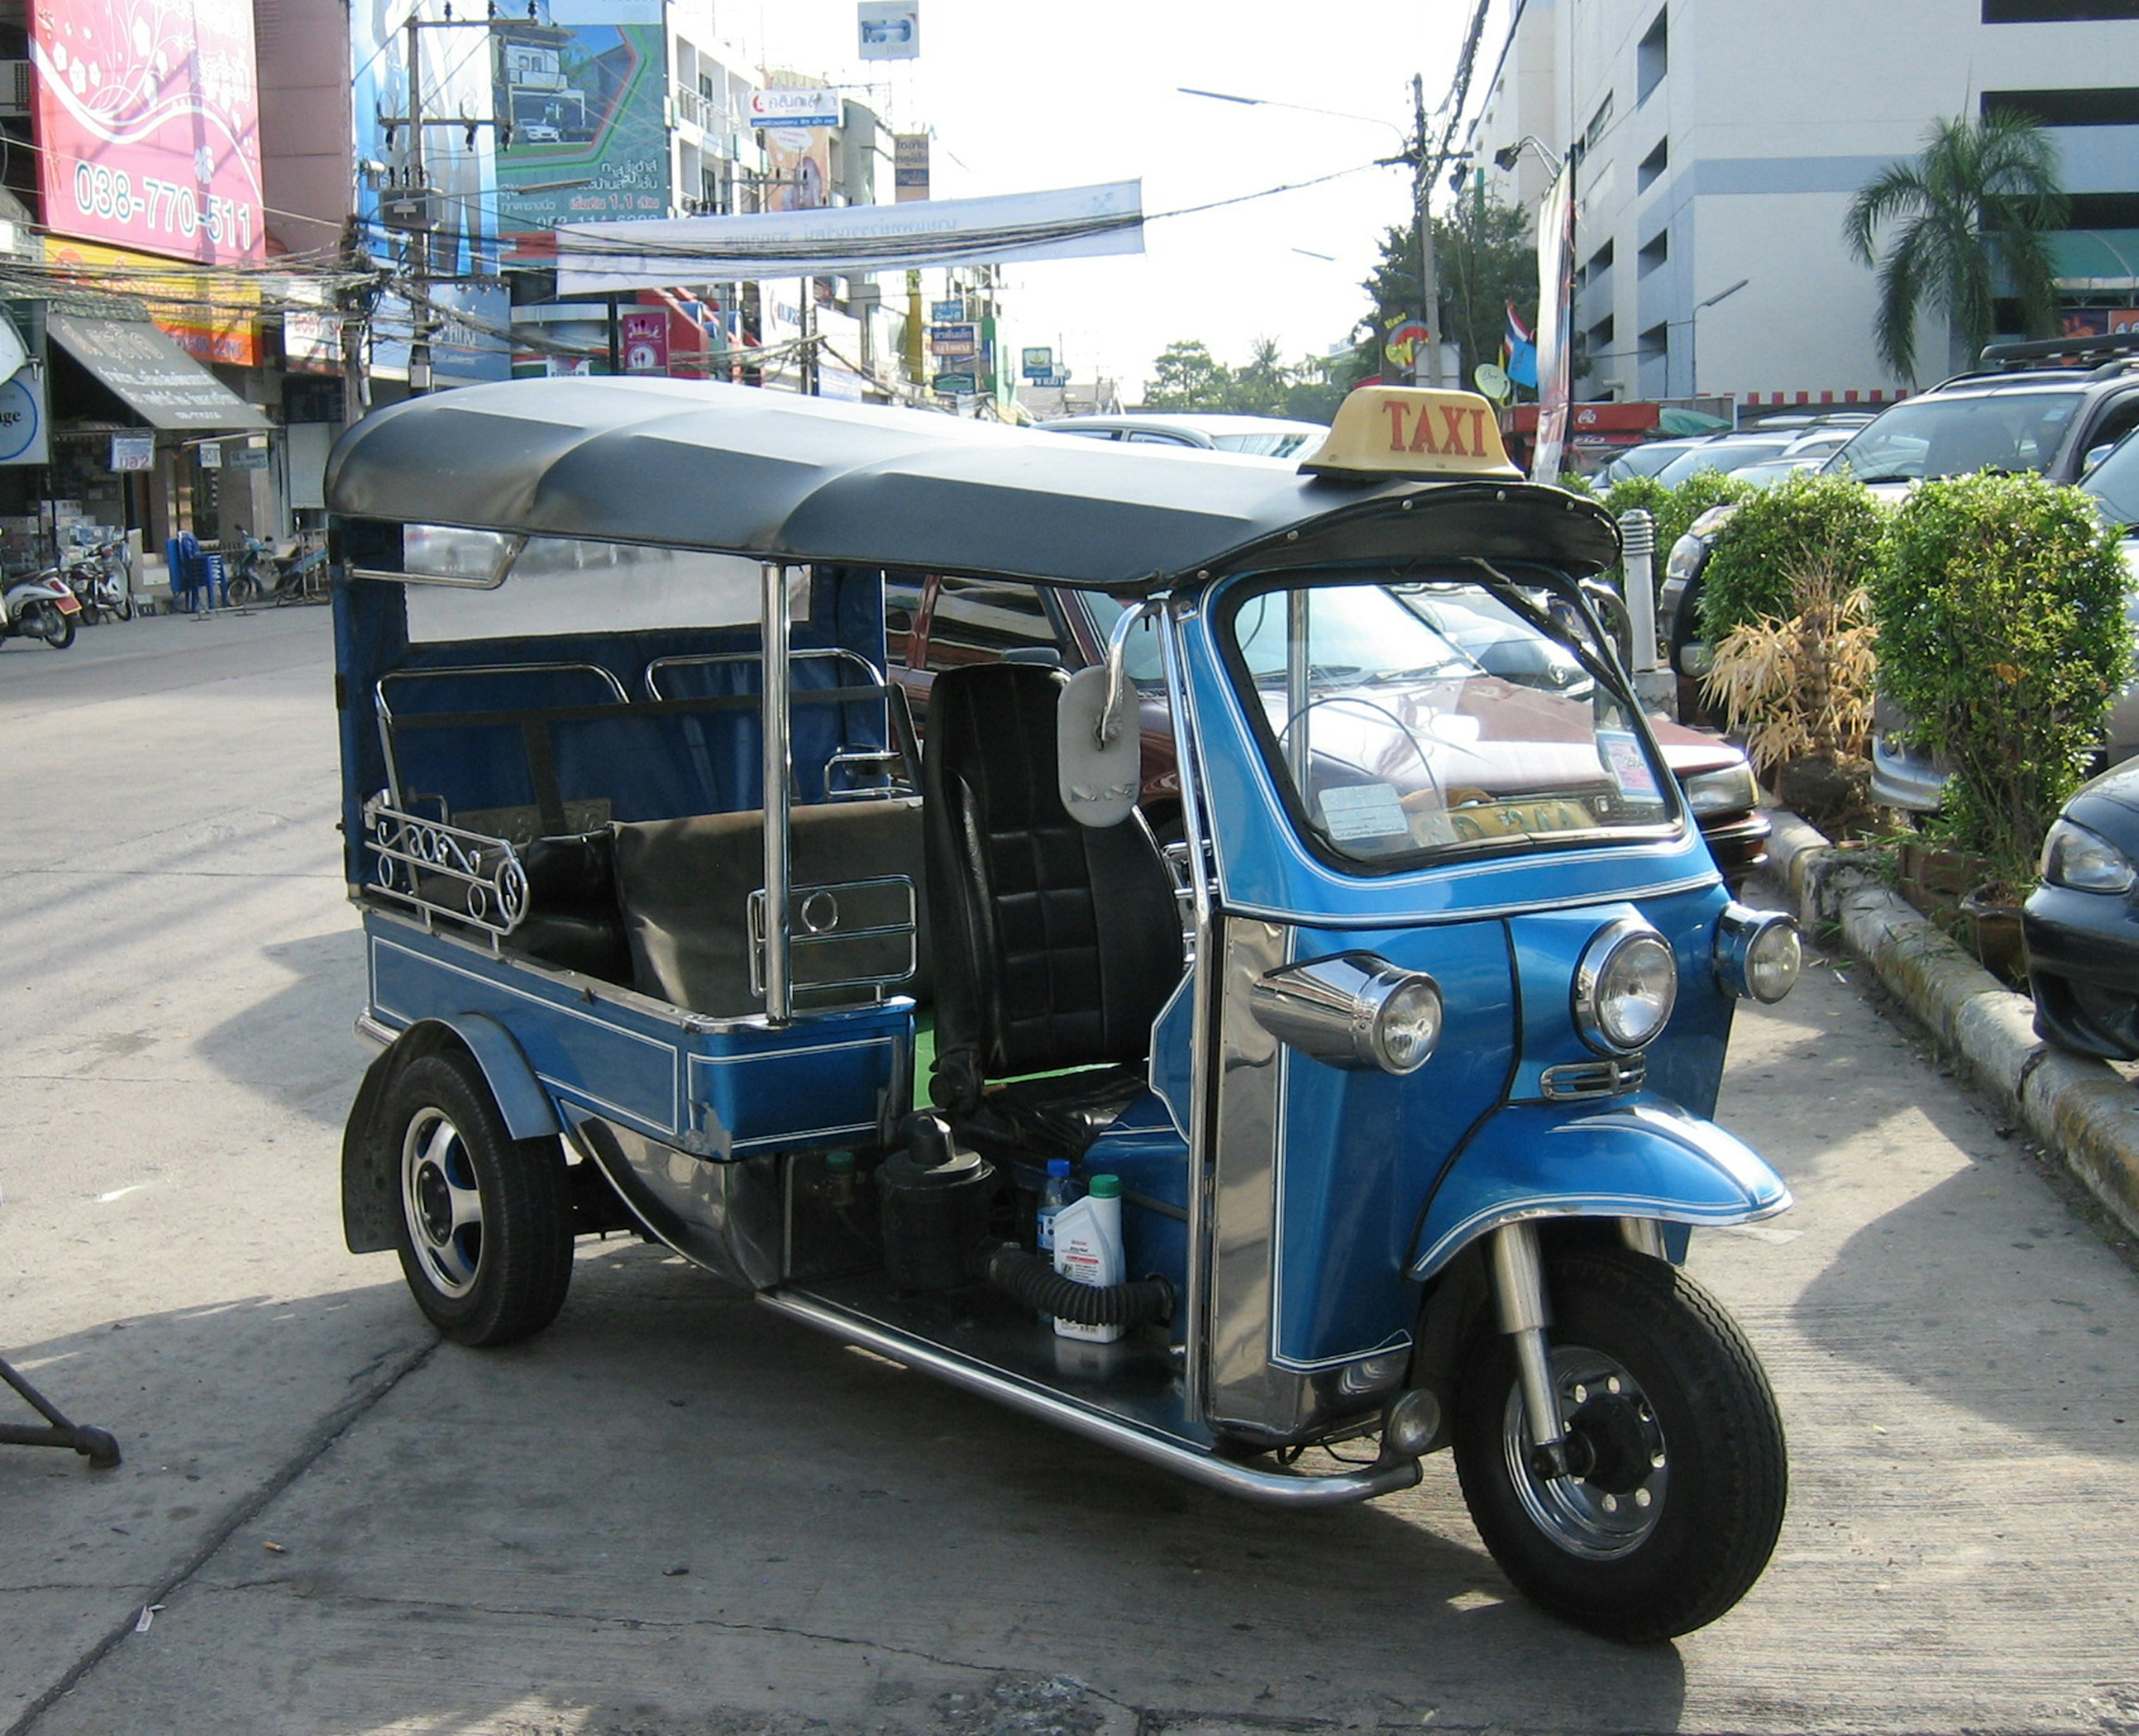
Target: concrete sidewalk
2079, 1109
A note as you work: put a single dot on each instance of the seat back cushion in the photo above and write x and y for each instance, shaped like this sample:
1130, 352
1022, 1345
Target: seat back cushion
1059, 942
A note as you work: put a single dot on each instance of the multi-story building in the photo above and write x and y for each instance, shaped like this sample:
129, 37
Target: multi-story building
1717, 145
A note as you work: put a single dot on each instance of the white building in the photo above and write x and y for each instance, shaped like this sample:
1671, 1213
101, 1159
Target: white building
1718, 144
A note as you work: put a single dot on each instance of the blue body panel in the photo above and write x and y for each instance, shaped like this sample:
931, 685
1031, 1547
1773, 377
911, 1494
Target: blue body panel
723, 1092
1360, 1148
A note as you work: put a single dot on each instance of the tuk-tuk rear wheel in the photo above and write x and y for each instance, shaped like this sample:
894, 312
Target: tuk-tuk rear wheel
484, 1229
1680, 1479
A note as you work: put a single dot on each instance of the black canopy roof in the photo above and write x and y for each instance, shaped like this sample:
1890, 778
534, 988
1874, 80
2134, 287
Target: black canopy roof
773, 476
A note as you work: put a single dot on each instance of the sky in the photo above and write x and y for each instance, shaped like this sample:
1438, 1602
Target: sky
1023, 96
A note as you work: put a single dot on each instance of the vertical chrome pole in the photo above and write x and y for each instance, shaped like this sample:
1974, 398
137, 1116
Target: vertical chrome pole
1299, 675
773, 710
1195, 824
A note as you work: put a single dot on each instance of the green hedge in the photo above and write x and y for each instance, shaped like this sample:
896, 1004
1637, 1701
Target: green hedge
1999, 601
1804, 519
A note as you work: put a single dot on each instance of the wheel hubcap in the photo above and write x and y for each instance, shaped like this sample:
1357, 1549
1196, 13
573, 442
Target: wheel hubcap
1619, 1470
442, 1202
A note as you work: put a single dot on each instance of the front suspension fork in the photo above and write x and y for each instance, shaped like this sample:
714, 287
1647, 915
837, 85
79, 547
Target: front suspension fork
1518, 1297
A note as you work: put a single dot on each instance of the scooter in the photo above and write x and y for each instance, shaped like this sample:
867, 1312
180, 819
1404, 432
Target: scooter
102, 582
296, 576
40, 607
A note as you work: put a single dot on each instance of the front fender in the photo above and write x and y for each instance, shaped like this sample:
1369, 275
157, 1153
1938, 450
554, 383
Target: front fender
1636, 1158
368, 1200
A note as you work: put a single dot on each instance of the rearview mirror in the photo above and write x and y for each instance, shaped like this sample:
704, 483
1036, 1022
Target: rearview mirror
1098, 759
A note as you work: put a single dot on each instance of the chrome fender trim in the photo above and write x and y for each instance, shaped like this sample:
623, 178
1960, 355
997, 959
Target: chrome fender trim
1641, 1159
1278, 1488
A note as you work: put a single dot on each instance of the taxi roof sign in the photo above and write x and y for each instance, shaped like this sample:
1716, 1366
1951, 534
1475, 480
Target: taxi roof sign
1407, 430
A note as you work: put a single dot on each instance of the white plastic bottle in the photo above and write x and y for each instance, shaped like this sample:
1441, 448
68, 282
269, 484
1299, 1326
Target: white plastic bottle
1087, 1247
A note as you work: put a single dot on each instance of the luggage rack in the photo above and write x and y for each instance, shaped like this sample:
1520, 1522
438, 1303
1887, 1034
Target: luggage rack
439, 869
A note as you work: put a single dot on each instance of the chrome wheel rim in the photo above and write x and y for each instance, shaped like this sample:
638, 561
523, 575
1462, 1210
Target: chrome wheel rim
441, 1202
1620, 1467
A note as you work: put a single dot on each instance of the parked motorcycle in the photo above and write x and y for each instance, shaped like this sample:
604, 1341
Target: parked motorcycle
40, 607
298, 574
102, 583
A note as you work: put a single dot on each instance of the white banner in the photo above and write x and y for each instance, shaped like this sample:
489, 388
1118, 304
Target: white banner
1072, 223
1555, 299
796, 105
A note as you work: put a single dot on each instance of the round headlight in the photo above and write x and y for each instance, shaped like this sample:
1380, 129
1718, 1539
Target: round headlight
1773, 961
1758, 953
1407, 1024
2084, 861
1625, 987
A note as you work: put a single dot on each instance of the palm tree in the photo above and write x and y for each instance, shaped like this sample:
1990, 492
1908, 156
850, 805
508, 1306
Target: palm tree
1973, 206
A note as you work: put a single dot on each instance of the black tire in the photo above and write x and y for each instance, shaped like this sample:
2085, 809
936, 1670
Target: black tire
1673, 1428
242, 590
55, 628
124, 609
484, 1229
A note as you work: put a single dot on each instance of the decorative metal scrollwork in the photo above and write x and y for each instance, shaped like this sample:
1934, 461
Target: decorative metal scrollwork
445, 870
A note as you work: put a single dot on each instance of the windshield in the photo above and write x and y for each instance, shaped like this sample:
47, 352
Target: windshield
1281, 444
1946, 437
2114, 483
1412, 719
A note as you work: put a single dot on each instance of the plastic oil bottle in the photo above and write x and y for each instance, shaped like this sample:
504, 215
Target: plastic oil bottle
1087, 1247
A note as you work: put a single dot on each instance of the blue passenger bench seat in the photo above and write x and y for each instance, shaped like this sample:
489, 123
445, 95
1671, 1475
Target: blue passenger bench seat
686, 887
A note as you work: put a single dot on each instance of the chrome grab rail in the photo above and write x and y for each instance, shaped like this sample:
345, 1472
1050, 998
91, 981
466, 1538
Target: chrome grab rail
416, 859
815, 920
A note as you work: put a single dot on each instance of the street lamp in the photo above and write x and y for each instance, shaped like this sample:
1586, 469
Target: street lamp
1424, 165
1693, 336
1504, 158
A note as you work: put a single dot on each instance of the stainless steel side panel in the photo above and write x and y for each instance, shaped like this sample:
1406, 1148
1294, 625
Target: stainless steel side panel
728, 1217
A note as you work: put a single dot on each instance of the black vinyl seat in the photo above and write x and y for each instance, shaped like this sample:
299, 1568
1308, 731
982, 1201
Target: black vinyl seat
1056, 943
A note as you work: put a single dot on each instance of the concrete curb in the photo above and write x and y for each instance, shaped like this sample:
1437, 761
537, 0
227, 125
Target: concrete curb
2078, 1108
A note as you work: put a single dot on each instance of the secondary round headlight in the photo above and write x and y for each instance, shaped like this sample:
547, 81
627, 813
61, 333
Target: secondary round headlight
1758, 953
2085, 861
1407, 1024
1625, 987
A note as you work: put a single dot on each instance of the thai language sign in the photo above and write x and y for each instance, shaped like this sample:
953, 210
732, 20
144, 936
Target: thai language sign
147, 120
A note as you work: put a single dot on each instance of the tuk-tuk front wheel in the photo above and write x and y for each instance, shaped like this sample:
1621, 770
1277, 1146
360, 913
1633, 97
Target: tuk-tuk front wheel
1677, 1480
485, 1228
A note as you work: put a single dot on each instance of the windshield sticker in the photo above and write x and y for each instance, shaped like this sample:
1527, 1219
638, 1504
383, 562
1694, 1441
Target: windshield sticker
1363, 810
1629, 766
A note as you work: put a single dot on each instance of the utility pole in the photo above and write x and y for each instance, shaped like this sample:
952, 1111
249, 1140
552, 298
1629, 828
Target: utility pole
1424, 167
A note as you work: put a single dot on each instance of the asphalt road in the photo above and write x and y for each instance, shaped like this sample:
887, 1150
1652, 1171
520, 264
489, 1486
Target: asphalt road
673, 1513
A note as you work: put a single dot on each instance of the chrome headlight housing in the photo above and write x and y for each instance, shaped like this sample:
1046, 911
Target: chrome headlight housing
1625, 987
1758, 953
1352, 1010
1727, 790
2084, 861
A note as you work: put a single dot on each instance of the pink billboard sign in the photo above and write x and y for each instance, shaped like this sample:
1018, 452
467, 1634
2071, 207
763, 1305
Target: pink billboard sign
148, 124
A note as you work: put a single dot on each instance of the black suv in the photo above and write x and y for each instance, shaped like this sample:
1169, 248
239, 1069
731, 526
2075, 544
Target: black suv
2051, 406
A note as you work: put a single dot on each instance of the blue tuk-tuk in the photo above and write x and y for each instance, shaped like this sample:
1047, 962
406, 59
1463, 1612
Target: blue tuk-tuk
1398, 1050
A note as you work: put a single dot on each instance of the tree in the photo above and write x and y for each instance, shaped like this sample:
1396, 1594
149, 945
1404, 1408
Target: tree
1971, 209
1484, 256
1187, 376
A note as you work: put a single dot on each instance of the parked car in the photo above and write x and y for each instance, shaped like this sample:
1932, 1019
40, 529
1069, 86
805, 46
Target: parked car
945, 623
1728, 454
1649, 458
2082, 923
1266, 437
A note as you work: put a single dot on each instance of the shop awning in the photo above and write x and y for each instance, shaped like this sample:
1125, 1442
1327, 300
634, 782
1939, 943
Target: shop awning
164, 385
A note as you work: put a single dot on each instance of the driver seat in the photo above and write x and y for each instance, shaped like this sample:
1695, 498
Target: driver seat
1056, 943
